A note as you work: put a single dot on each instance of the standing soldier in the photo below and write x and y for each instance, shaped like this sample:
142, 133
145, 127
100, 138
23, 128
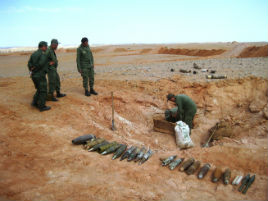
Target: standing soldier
37, 65
85, 66
53, 76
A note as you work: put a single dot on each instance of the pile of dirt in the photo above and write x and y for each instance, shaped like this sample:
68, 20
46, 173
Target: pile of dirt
120, 49
146, 50
254, 51
191, 52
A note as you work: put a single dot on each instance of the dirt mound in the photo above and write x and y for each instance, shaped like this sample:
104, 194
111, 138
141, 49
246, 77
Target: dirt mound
38, 161
120, 49
191, 52
254, 51
146, 50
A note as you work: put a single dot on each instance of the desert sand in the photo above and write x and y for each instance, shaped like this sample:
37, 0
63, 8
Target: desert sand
38, 161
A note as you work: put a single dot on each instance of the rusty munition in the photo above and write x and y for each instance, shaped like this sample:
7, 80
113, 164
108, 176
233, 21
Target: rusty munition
92, 143
226, 176
140, 154
217, 174
244, 182
250, 181
134, 154
146, 156
119, 151
111, 149
83, 139
168, 160
186, 164
106, 146
175, 163
97, 146
203, 171
193, 167
127, 153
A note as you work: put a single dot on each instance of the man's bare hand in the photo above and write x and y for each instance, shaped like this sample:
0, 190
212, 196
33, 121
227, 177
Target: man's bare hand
51, 63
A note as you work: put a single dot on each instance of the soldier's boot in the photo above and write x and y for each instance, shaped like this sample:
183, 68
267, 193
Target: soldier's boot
87, 93
60, 95
51, 97
44, 108
92, 91
34, 104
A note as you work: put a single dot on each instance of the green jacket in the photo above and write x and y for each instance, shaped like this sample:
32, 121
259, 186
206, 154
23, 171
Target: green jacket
39, 61
84, 58
52, 57
185, 104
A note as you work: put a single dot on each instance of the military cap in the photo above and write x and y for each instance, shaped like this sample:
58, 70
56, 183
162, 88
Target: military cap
54, 41
169, 96
42, 43
84, 40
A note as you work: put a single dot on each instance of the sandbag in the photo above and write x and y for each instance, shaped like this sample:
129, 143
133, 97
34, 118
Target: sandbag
82, 139
182, 133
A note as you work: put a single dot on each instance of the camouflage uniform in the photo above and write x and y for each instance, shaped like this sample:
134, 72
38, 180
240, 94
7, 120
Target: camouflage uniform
185, 110
39, 61
53, 76
85, 65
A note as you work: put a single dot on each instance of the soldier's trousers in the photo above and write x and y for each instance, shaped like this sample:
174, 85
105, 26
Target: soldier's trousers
88, 77
53, 80
40, 83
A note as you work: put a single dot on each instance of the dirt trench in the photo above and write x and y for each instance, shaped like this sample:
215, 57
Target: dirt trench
39, 163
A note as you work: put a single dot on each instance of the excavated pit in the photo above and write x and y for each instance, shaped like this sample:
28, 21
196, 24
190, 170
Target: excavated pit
39, 163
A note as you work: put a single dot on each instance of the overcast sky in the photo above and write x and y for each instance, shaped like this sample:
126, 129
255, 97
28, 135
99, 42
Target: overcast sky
26, 22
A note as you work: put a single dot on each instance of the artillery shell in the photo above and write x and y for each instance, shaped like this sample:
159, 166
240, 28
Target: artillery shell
134, 154
105, 147
250, 181
235, 180
239, 179
146, 156
95, 147
175, 163
216, 175
244, 182
119, 151
187, 164
127, 153
111, 149
226, 176
140, 154
83, 139
193, 168
93, 143
203, 171
168, 160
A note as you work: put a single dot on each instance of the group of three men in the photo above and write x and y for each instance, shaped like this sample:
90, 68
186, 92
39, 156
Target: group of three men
44, 61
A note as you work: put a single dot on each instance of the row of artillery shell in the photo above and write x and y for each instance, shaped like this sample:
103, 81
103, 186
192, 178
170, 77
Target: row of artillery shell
104, 147
190, 166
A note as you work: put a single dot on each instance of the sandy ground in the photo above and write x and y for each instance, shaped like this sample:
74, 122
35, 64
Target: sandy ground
39, 163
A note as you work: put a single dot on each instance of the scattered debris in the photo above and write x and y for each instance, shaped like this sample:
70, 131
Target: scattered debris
216, 76
185, 71
196, 66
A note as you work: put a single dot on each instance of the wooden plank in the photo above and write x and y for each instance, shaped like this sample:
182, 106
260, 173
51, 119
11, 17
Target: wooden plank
163, 126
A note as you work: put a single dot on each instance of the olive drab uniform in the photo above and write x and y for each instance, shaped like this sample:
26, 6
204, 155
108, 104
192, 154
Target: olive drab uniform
39, 61
53, 76
185, 110
85, 65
